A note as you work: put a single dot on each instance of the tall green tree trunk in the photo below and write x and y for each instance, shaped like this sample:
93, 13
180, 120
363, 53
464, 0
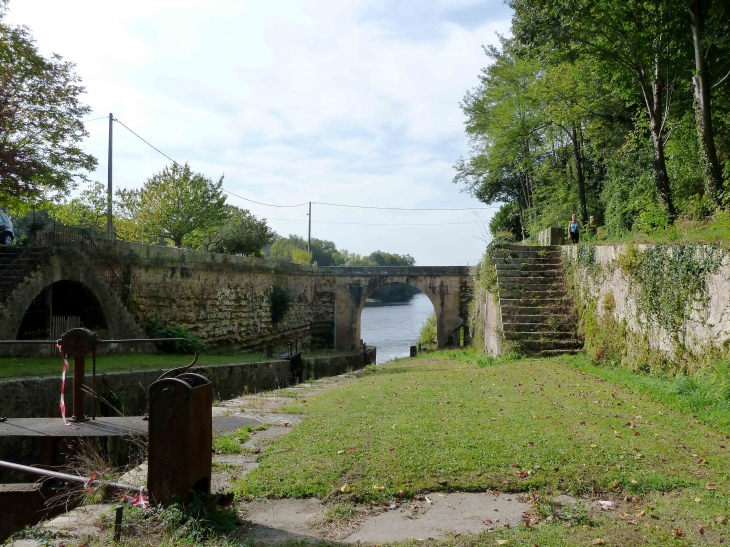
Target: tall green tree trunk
703, 107
580, 175
652, 96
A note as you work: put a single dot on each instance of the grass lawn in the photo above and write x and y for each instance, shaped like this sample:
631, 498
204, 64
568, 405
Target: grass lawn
25, 367
540, 426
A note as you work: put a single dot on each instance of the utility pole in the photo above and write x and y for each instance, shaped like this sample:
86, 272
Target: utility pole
309, 234
109, 223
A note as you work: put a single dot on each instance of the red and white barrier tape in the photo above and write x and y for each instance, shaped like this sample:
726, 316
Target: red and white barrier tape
140, 500
64, 368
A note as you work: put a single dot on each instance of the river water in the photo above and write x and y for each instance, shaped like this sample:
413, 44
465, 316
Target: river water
393, 328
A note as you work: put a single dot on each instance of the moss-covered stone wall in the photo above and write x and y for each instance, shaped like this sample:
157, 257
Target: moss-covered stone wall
656, 308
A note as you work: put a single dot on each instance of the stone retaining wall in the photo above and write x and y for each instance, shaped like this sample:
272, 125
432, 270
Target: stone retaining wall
619, 325
127, 391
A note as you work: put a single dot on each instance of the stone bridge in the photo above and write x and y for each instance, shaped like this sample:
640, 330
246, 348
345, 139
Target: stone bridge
449, 288
228, 301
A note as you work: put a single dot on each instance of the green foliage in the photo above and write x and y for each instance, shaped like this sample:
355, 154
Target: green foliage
159, 327
281, 299
671, 279
240, 233
428, 337
41, 119
593, 108
173, 204
294, 249
89, 209
484, 361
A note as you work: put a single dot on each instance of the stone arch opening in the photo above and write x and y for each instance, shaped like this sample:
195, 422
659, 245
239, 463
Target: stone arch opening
403, 307
62, 305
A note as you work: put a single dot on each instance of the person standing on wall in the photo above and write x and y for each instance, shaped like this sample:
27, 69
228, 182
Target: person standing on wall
574, 229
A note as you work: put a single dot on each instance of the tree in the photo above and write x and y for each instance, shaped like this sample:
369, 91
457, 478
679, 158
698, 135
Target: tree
41, 126
89, 209
704, 42
240, 233
637, 44
294, 249
504, 131
175, 203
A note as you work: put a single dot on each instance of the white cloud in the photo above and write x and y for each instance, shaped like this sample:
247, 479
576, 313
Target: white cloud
348, 102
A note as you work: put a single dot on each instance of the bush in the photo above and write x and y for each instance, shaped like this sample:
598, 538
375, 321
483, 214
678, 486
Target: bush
159, 327
429, 337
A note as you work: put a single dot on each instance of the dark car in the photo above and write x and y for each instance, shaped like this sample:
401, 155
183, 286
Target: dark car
7, 235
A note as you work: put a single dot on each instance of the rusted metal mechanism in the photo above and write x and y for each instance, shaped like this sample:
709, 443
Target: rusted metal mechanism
79, 343
180, 438
295, 360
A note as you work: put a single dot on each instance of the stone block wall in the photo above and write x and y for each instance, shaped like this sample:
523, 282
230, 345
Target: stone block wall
676, 321
227, 300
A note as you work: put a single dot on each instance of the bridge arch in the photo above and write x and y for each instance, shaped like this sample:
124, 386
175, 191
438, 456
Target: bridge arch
65, 272
386, 283
448, 288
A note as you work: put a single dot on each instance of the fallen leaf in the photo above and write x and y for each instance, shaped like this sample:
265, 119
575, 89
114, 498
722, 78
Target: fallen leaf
598, 541
615, 484
701, 529
345, 488
711, 486
677, 533
698, 500
502, 542
721, 520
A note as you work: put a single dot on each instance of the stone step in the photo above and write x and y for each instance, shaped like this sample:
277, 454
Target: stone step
514, 247
513, 255
546, 345
557, 352
530, 283
532, 336
533, 295
530, 274
526, 261
552, 324
524, 268
535, 318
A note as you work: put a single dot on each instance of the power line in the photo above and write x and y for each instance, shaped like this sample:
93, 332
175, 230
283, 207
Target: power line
144, 141
373, 224
405, 208
264, 204
95, 119
324, 203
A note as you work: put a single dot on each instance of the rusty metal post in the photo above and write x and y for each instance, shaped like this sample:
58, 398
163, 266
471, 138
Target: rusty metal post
180, 438
119, 512
78, 343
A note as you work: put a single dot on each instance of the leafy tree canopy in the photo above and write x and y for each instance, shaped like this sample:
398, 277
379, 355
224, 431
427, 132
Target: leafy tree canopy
173, 204
41, 128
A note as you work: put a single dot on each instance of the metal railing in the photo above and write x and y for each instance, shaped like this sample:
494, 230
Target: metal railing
76, 237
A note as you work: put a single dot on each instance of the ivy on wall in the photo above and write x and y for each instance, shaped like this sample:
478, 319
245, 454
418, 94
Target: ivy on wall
280, 301
670, 280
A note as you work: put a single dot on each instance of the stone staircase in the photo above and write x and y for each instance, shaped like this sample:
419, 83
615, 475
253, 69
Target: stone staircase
536, 311
15, 264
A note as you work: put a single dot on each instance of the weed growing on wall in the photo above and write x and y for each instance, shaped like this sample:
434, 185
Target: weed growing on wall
160, 327
670, 280
281, 299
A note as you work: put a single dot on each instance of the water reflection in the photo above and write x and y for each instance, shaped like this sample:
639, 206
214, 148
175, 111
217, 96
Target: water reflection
394, 327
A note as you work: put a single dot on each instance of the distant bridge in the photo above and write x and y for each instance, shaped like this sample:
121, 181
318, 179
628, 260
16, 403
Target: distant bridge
449, 288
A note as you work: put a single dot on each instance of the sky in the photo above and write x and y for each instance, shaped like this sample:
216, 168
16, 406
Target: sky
333, 101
